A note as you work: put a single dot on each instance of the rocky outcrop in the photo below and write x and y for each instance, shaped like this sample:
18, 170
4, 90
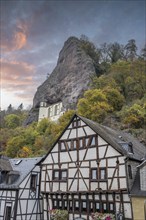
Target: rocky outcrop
69, 79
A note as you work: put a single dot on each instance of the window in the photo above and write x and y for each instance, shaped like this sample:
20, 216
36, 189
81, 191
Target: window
130, 147
91, 206
84, 206
70, 205
33, 182
111, 207
65, 204
81, 143
129, 171
97, 206
56, 110
54, 204
8, 211
104, 207
49, 112
60, 175
98, 176
93, 141
60, 204
94, 174
76, 205
76, 123
56, 175
102, 173
63, 174
86, 141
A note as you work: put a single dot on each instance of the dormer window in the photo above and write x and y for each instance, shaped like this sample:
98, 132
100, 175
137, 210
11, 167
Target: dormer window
127, 146
130, 147
12, 176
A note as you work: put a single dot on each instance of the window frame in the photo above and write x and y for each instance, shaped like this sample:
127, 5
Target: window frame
105, 174
91, 175
76, 123
82, 208
33, 181
7, 215
60, 178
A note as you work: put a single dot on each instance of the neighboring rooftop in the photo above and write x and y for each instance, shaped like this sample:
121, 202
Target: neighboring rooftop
21, 166
136, 190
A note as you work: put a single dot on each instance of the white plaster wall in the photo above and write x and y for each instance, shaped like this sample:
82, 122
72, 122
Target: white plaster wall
111, 152
64, 157
80, 132
91, 154
102, 151
127, 210
89, 131
65, 135
73, 134
101, 141
123, 183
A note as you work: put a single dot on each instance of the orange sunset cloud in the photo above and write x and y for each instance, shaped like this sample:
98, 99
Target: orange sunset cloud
16, 73
16, 40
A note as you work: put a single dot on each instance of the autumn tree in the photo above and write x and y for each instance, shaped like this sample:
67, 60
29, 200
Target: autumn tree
12, 121
94, 105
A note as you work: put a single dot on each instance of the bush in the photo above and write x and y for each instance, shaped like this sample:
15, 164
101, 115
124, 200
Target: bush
57, 214
102, 216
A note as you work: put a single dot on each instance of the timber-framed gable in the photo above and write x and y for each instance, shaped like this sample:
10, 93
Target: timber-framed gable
86, 171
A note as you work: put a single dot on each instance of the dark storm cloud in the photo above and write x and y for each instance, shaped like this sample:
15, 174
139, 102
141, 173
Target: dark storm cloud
33, 32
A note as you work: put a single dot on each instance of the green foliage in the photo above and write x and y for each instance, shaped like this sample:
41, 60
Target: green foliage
114, 97
94, 105
14, 145
134, 116
57, 214
43, 125
12, 121
130, 78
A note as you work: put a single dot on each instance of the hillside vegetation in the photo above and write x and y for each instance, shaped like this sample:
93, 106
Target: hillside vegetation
116, 98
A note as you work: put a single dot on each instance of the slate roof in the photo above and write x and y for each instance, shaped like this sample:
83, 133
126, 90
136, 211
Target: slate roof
115, 137
21, 166
111, 136
136, 191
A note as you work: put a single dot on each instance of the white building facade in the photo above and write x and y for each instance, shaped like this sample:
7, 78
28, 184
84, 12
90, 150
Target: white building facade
53, 111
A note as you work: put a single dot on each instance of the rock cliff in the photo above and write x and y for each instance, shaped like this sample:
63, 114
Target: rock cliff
70, 78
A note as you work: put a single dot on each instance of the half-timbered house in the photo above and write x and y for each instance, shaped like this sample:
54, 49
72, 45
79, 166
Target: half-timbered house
19, 189
90, 168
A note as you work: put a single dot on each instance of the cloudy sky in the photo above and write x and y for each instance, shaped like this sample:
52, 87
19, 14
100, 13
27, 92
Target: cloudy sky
33, 32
